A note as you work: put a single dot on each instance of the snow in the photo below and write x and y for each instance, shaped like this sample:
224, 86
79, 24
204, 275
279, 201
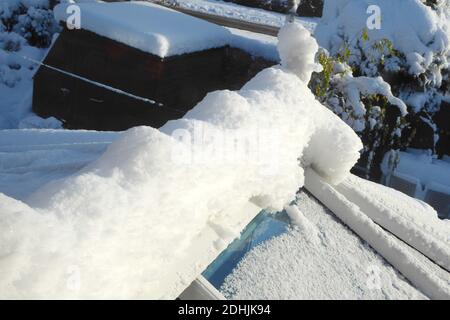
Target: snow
308, 229
36, 122
346, 97
172, 33
148, 27
31, 158
140, 214
258, 45
445, 189
421, 169
129, 224
297, 49
412, 221
319, 258
421, 165
16, 72
28, 3
295, 5
16, 84
338, 265
415, 30
427, 276
355, 87
17, 69
417, 100
235, 11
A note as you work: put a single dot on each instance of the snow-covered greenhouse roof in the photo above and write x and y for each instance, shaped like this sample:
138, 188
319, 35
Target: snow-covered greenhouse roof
148, 27
142, 213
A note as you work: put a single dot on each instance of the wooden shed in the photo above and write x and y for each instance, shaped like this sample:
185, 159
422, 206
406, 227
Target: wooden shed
99, 76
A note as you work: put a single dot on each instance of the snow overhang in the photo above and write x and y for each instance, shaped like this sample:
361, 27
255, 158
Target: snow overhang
145, 26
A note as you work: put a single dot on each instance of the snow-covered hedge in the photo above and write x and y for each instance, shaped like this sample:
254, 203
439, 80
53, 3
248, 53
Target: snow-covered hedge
419, 36
26, 31
31, 19
407, 57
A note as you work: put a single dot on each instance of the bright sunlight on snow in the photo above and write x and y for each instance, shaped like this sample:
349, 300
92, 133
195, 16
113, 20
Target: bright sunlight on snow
138, 193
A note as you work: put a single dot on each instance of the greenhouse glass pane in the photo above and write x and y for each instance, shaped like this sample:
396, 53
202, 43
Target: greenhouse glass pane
264, 227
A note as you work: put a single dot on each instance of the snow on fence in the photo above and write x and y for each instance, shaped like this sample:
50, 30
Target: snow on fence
145, 219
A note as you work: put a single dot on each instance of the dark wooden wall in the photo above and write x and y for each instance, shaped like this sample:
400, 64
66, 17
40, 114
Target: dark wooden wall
178, 82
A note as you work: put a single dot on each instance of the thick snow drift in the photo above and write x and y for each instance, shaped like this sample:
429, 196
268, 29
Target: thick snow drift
124, 226
148, 27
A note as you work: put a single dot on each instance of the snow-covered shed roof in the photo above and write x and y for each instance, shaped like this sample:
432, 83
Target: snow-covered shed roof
148, 27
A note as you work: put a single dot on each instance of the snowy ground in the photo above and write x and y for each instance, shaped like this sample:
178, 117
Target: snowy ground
422, 176
235, 11
30, 158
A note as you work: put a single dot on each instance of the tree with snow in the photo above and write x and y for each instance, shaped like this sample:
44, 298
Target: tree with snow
35, 22
27, 28
409, 55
